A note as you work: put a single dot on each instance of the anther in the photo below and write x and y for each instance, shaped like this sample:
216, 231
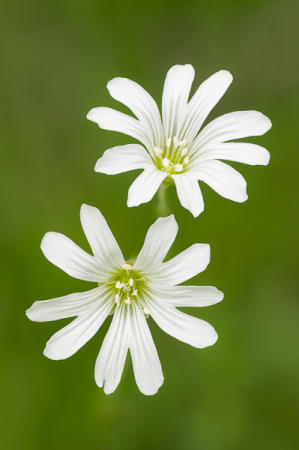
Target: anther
168, 142
186, 160
116, 298
158, 151
135, 292
184, 151
128, 301
178, 167
119, 285
175, 142
146, 312
127, 266
131, 282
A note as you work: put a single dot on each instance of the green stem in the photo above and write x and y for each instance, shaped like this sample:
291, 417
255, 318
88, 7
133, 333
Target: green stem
162, 207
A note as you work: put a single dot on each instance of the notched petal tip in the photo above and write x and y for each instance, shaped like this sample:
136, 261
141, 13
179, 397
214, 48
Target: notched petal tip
108, 388
98, 379
86, 209
196, 212
46, 241
266, 159
261, 122
220, 295
131, 202
225, 74
241, 197
48, 353
152, 390
168, 219
267, 121
178, 70
100, 115
182, 66
30, 312
211, 339
53, 357
204, 250
114, 81
98, 165
92, 114
267, 124
98, 382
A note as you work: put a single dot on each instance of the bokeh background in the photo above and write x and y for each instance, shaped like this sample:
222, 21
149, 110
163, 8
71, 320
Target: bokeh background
57, 57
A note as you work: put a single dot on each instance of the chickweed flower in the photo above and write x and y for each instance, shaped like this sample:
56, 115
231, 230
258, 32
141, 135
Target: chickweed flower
174, 144
131, 291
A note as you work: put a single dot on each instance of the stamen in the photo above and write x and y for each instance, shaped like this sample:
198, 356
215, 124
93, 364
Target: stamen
175, 142
178, 167
127, 266
119, 285
146, 312
158, 151
186, 160
128, 301
135, 292
131, 282
184, 151
168, 142
116, 298
165, 162
182, 142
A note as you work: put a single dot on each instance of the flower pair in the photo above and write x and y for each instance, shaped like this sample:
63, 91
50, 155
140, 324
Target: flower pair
133, 291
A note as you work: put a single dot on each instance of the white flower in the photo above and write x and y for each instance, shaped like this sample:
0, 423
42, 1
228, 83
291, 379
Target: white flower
131, 292
174, 145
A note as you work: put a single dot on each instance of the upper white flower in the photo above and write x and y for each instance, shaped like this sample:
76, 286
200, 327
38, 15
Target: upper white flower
174, 145
132, 292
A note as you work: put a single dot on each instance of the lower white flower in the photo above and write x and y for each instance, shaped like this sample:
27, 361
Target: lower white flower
132, 292
175, 146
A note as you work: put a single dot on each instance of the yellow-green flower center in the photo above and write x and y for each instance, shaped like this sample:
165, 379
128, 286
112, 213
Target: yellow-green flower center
173, 158
127, 285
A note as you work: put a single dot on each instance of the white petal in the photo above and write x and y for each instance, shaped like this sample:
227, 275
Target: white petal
225, 180
181, 326
66, 255
145, 186
146, 364
235, 125
101, 239
158, 240
203, 101
110, 119
63, 307
235, 151
176, 91
183, 296
111, 360
185, 265
123, 159
189, 193
141, 104
71, 338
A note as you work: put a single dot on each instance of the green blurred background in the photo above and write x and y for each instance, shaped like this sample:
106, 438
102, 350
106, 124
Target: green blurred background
57, 57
